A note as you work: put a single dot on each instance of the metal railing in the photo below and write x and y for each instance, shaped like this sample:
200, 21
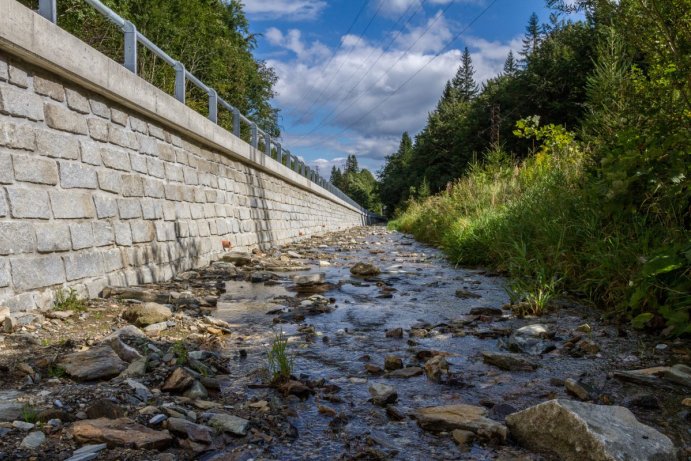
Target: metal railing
48, 9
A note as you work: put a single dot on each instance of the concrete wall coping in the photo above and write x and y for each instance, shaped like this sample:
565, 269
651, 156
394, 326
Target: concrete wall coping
35, 39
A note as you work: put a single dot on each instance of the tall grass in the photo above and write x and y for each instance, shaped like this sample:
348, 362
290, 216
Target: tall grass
541, 221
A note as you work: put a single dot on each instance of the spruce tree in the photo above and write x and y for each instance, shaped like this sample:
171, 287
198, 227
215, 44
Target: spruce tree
464, 81
510, 66
531, 40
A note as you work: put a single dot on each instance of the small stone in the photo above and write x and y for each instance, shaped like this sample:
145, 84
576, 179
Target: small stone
140, 391
196, 391
587, 346
466, 417
576, 389
190, 430
97, 363
394, 413
435, 366
104, 408
120, 432
508, 362
489, 311
239, 258
365, 270
23, 426
585, 328
157, 419
229, 423
679, 374
382, 394
33, 440
394, 333
407, 372
686, 402
146, 314
462, 437
391, 362
374, 369
464, 294
179, 380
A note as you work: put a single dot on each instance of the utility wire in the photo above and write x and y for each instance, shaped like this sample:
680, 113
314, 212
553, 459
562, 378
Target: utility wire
321, 93
456, 37
404, 54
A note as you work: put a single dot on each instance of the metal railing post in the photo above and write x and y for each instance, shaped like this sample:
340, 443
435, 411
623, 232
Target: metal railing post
279, 153
213, 105
180, 82
255, 138
267, 145
48, 9
130, 47
236, 122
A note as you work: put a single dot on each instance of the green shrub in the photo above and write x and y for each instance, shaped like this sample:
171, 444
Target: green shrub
68, 301
280, 364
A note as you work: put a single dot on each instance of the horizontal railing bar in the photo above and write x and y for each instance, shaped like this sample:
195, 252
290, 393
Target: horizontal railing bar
157, 51
107, 12
198, 83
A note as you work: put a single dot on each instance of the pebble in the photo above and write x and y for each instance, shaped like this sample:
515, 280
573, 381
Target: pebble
23, 426
157, 419
33, 440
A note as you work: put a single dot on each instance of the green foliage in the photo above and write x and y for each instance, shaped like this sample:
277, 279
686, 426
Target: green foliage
181, 353
280, 363
68, 301
29, 414
55, 371
358, 184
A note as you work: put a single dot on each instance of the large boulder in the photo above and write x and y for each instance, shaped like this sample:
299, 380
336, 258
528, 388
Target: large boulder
579, 431
97, 363
471, 418
122, 432
147, 314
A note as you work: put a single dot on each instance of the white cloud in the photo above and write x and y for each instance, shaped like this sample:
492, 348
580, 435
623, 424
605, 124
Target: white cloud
375, 116
421, 39
291, 10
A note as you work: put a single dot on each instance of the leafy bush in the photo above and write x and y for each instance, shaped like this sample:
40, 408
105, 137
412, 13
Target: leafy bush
68, 301
280, 364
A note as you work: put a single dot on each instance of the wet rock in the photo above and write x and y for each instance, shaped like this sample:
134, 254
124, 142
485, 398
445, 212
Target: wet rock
104, 408
647, 401
489, 311
33, 440
190, 430
374, 369
435, 366
179, 380
296, 388
585, 347
146, 314
382, 394
229, 423
10, 408
310, 279
394, 413
583, 431
98, 363
530, 339
364, 270
686, 402
87, 452
649, 376
466, 417
391, 362
328, 411
238, 258
119, 432
394, 333
508, 362
462, 437
584, 328
465, 294
575, 388
679, 374
407, 372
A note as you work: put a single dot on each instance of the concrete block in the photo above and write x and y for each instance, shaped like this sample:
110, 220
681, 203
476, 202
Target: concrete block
17, 136
3, 204
98, 129
138, 125
77, 176
95, 287
57, 145
77, 102
173, 192
132, 185
155, 167
105, 207
35, 170
4, 69
116, 159
103, 233
118, 116
6, 170
129, 208
165, 152
157, 132
99, 108
53, 237
122, 137
153, 188
182, 210
5, 277
147, 145
123, 234
190, 175
110, 181
82, 235
64, 119
28, 203
152, 209
138, 162
112, 260
33, 272
21, 303
82, 265
49, 88
165, 231
18, 76
16, 238
142, 231
20, 103
169, 211
173, 172
91, 152
181, 156
72, 205
197, 211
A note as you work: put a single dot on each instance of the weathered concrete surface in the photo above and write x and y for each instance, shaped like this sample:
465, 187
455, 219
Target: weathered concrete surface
106, 180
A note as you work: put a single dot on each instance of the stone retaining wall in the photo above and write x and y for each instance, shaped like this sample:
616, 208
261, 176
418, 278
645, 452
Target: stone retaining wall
95, 194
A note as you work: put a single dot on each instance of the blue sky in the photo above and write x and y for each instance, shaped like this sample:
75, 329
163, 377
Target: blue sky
343, 92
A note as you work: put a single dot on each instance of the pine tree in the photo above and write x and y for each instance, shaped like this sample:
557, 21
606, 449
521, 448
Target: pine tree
336, 177
351, 166
510, 66
464, 81
531, 40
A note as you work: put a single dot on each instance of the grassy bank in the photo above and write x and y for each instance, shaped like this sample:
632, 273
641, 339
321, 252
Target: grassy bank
545, 224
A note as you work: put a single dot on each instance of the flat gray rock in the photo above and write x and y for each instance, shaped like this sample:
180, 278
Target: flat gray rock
97, 363
579, 431
229, 423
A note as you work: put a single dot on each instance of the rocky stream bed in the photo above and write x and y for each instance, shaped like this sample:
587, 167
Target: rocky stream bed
396, 355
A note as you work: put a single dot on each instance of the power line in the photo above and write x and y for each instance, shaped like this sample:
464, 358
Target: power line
404, 54
299, 119
456, 37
